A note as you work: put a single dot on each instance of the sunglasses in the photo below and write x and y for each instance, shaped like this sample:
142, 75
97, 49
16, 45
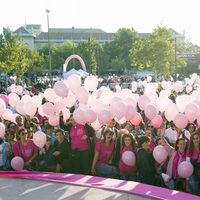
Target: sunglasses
23, 133
109, 133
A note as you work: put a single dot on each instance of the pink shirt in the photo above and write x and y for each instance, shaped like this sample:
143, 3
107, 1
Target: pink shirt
123, 168
105, 151
194, 156
152, 144
25, 151
76, 134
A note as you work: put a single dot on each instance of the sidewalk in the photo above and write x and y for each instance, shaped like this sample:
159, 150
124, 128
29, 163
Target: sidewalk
23, 189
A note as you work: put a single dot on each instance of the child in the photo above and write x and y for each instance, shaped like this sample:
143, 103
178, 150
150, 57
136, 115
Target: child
47, 161
127, 171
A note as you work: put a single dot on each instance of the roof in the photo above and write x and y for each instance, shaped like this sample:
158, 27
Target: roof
32, 26
21, 30
75, 30
60, 36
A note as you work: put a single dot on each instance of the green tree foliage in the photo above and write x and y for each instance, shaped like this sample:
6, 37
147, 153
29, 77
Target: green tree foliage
118, 50
192, 63
60, 54
89, 53
15, 56
157, 52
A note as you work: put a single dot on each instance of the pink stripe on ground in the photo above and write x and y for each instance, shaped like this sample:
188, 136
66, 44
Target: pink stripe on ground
130, 187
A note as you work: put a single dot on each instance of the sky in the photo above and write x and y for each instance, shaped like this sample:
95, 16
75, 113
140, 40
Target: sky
109, 15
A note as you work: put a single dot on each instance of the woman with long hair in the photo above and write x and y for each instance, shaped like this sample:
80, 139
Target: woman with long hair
177, 155
26, 149
62, 152
193, 154
128, 145
103, 156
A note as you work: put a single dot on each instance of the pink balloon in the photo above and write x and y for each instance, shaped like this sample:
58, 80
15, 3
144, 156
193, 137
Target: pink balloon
17, 163
82, 95
37, 100
162, 102
136, 119
4, 98
66, 114
20, 107
48, 108
97, 105
7, 114
90, 116
180, 121
2, 130
150, 111
61, 88
160, 154
104, 116
39, 139
91, 83
13, 99
191, 112
26, 98
96, 125
40, 111
118, 109
185, 169
79, 116
157, 121
171, 111
131, 111
74, 82
30, 108
70, 100
50, 94
128, 157
54, 120
58, 106
143, 101
2, 107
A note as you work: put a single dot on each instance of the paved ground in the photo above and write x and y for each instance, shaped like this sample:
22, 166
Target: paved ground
22, 189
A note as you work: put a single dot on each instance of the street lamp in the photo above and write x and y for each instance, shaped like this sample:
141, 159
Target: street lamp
175, 53
73, 43
50, 78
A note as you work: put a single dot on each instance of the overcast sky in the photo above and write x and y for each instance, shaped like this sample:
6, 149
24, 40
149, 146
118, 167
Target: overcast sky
108, 15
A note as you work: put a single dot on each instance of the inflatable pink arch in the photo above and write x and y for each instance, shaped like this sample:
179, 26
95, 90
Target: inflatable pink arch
74, 57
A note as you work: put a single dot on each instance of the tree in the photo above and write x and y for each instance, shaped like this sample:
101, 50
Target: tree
119, 49
157, 52
89, 53
15, 56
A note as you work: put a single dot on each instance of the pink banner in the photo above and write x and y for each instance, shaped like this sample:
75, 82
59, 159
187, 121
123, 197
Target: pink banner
102, 183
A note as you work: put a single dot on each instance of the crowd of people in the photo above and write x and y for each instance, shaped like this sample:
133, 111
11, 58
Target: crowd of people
115, 150
76, 148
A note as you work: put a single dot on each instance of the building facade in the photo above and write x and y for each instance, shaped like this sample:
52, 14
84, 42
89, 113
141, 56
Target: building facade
35, 38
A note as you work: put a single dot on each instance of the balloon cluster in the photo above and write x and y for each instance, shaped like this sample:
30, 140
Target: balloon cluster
99, 105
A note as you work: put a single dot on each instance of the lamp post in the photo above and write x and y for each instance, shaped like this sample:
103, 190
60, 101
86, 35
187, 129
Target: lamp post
175, 53
50, 78
73, 44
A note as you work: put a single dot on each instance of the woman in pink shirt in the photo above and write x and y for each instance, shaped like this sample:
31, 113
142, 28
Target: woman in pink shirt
81, 139
193, 154
128, 144
26, 149
103, 156
177, 156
